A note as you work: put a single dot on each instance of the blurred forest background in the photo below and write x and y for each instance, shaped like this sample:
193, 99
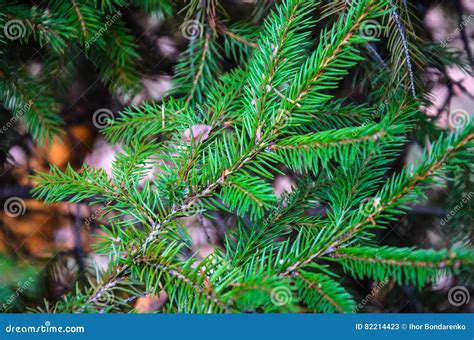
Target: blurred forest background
44, 251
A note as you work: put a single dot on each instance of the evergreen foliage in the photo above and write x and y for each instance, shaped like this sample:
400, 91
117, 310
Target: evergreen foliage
222, 136
65, 32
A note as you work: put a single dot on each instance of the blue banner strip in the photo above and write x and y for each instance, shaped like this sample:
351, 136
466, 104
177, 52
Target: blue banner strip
237, 326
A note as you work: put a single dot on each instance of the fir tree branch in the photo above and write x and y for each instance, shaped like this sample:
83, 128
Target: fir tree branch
392, 194
322, 293
200, 69
80, 19
406, 265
